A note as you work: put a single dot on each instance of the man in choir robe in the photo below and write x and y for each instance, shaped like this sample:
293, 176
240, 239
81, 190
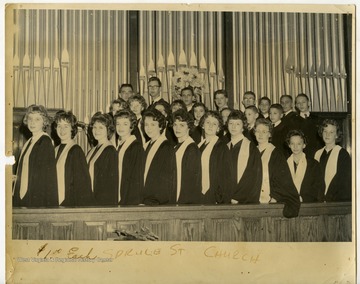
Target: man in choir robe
221, 100
188, 97
308, 124
125, 92
264, 107
280, 131
290, 117
154, 87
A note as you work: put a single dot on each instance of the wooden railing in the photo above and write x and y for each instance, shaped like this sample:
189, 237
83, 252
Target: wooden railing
248, 223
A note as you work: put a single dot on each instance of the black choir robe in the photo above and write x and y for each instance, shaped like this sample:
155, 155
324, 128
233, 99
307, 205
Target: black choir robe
221, 182
136, 132
196, 134
106, 177
42, 179
282, 187
132, 177
313, 185
247, 190
340, 186
77, 179
278, 139
170, 135
291, 120
160, 184
250, 134
309, 126
190, 189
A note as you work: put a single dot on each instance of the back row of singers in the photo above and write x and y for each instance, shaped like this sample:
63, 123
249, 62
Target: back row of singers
211, 172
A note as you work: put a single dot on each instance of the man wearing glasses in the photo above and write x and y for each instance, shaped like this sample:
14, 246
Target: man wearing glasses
154, 87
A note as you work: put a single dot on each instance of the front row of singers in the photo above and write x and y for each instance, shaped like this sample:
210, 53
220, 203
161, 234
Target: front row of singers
157, 173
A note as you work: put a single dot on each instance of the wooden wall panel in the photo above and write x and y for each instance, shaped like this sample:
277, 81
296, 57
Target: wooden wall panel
255, 223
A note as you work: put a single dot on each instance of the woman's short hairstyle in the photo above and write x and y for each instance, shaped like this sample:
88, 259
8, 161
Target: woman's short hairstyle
183, 116
237, 115
123, 104
156, 116
165, 105
40, 110
213, 114
139, 99
333, 122
264, 121
70, 118
178, 102
198, 104
293, 133
126, 113
104, 119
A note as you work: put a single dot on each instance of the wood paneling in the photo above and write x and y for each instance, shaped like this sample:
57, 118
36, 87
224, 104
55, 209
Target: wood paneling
246, 223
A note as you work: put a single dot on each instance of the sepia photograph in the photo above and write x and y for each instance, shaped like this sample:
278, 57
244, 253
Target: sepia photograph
179, 136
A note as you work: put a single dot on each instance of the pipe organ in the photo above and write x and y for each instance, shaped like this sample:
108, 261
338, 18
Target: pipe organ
76, 59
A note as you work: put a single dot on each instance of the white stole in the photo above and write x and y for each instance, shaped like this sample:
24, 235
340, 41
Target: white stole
205, 163
179, 156
243, 157
331, 166
151, 154
60, 169
93, 160
121, 153
265, 186
24, 178
297, 176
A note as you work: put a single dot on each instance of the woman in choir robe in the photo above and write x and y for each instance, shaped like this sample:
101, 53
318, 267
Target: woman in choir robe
305, 171
335, 163
74, 183
116, 106
137, 105
164, 108
246, 167
160, 164
102, 161
277, 184
188, 160
215, 161
198, 110
131, 160
36, 183
176, 105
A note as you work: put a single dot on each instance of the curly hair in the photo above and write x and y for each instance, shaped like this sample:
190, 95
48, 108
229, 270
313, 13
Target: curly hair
215, 115
70, 118
264, 121
293, 133
40, 110
237, 115
179, 103
126, 113
156, 116
139, 99
104, 119
332, 122
184, 116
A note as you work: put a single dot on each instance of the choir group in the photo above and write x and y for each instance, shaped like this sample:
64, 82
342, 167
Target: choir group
183, 153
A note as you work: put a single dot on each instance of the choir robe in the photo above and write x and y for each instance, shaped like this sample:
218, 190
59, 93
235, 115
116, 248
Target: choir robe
309, 126
41, 178
339, 188
247, 189
160, 181
75, 174
139, 133
104, 175
131, 165
220, 182
250, 134
291, 120
282, 187
189, 179
311, 184
224, 136
278, 139
196, 134
170, 136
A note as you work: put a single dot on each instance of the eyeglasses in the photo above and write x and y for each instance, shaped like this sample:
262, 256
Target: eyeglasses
153, 87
